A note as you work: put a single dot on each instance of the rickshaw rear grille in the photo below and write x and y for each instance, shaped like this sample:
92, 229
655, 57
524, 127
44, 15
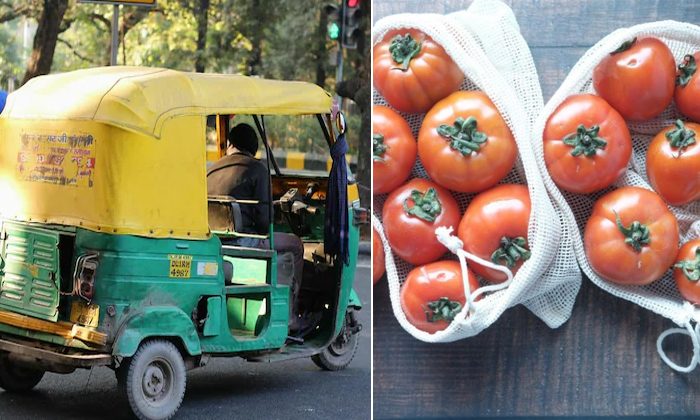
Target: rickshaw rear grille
30, 282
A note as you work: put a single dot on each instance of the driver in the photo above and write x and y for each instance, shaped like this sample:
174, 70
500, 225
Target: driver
240, 175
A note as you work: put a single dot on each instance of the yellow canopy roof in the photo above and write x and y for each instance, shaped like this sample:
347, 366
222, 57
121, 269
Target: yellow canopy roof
140, 99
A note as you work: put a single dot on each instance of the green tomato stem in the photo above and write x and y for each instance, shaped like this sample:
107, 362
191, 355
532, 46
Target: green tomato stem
625, 46
403, 49
378, 147
680, 137
636, 235
691, 268
463, 135
511, 250
585, 141
443, 308
686, 69
426, 206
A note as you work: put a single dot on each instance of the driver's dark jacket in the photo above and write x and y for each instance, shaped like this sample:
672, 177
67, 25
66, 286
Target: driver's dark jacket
243, 177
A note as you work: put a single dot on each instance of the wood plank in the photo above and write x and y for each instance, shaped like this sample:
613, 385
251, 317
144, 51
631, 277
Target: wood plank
603, 361
65, 330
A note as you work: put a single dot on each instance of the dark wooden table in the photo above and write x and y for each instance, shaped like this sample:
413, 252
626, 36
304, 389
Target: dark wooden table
603, 361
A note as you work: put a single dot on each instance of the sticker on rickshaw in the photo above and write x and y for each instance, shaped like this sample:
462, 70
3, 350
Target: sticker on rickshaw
57, 159
180, 265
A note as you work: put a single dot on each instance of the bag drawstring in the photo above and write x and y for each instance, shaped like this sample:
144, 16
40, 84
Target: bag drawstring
456, 246
693, 333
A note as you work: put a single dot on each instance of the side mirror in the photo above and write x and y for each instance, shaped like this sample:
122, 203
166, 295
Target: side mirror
340, 123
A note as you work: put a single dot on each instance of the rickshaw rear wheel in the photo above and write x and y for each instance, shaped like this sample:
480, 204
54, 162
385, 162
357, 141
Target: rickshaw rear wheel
18, 379
154, 380
341, 351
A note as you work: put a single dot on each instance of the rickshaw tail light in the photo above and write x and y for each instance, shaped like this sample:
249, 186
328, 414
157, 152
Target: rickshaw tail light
86, 270
360, 216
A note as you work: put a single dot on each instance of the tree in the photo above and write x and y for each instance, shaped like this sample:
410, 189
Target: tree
358, 88
45, 38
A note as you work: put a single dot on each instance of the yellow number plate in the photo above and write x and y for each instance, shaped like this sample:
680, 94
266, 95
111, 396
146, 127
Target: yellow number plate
85, 315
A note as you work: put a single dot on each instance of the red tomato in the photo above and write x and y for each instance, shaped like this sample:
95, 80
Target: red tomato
686, 271
637, 79
639, 246
586, 144
412, 72
411, 215
673, 163
432, 295
494, 228
688, 87
377, 257
394, 150
464, 143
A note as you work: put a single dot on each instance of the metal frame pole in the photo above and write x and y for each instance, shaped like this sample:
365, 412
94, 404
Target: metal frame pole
339, 58
115, 35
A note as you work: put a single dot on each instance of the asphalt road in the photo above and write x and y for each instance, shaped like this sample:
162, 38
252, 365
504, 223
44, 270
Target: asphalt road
224, 389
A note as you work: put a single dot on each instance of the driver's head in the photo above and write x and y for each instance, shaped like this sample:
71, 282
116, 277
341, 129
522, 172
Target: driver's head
243, 138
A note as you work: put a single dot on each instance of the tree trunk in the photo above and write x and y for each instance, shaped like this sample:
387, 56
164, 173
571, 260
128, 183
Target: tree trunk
201, 12
46, 38
321, 52
254, 62
358, 88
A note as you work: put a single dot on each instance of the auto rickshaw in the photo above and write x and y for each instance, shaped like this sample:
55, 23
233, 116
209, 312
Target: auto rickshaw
113, 255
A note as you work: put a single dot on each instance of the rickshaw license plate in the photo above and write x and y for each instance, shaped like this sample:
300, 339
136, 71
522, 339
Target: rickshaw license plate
83, 314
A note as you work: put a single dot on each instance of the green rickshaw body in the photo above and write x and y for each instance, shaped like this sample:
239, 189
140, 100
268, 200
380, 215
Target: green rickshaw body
96, 261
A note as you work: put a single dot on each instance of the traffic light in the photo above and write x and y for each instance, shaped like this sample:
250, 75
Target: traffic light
333, 12
352, 34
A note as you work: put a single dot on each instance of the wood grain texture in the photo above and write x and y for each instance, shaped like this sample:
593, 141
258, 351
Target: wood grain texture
603, 361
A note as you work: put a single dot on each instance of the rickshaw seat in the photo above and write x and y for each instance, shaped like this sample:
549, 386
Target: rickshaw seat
224, 213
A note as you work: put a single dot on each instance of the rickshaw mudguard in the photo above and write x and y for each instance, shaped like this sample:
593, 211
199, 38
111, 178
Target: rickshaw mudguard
157, 321
354, 301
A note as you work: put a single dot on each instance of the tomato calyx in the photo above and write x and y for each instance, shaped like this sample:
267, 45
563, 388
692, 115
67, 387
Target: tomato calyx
463, 135
687, 69
378, 147
691, 268
511, 250
625, 46
585, 141
443, 308
636, 235
680, 137
403, 49
426, 205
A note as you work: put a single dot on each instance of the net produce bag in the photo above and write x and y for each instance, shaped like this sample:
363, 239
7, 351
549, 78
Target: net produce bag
485, 42
662, 295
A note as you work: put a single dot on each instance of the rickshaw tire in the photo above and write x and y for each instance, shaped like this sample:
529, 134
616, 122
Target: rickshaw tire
131, 379
14, 379
329, 360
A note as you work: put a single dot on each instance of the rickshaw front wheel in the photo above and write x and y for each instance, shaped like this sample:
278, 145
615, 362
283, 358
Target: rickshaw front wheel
341, 351
18, 379
154, 380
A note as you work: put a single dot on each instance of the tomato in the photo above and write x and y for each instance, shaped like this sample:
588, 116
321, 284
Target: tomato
631, 236
464, 143
377, 257
586, 144
688, 87
432, 295
686, 271
673, 163
637, 79
412, 213
412, 72
494, 228
394, 150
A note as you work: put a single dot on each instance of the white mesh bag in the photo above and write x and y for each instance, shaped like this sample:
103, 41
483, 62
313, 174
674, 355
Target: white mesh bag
662, 295
486, 44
